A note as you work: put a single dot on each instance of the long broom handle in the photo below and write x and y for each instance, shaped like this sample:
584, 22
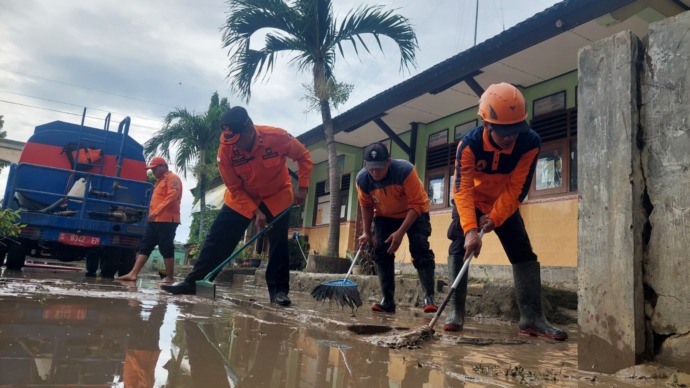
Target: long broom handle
251, 240
349, 271
462, 272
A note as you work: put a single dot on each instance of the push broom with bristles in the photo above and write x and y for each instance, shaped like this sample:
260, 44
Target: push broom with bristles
342, 291
205, 287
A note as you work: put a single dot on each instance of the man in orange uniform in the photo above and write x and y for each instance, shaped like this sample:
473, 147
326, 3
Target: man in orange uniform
164, 217
252, 163
494, 167
392, 197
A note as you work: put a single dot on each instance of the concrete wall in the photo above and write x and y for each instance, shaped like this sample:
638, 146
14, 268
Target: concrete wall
665, 116
609, 265
634, 171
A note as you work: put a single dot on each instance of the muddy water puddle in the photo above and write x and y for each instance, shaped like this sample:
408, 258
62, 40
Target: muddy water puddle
58, 328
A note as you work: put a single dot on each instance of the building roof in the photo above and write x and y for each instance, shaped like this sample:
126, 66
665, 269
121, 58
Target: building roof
533, 51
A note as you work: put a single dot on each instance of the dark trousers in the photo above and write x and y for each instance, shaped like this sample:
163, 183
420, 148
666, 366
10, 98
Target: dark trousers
226, 232
512, 234
161, 234
418, 236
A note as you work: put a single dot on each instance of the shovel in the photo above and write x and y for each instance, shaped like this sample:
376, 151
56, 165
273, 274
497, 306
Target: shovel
205, 287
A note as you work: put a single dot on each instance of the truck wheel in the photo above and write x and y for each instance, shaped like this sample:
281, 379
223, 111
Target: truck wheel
16, 254
110, 262
128, 258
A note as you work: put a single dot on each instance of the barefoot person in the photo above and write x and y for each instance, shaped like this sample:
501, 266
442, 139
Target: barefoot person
164, 217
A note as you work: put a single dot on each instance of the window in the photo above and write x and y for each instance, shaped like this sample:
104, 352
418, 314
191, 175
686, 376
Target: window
440, 162
462, 129
556, 170
438, 138
436, 187
322, 209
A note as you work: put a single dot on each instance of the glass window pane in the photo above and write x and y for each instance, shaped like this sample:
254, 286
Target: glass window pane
323, 213
573, 165
450, 186
548, 172
436, 188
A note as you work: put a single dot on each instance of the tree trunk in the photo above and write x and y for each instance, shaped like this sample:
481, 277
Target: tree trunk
333, 169
202, 193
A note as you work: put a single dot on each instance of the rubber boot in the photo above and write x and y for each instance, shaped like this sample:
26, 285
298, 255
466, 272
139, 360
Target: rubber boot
426, 278
528, 291
387, 280
455, 319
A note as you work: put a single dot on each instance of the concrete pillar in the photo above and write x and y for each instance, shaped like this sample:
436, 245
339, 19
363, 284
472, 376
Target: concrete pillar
610, 296
665, 115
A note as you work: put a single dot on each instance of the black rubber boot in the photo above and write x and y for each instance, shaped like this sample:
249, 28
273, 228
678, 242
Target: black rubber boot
387, 280
528, 291
426, 278
455, 319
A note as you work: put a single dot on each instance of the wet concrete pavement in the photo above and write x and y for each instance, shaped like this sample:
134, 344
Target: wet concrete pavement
61, 328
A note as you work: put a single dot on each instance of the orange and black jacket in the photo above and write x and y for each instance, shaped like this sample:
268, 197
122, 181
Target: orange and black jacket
395, 194
166, 198
491, 179
261, 175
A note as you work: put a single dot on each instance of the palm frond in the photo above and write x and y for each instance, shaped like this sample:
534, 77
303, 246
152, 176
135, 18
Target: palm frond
377, 22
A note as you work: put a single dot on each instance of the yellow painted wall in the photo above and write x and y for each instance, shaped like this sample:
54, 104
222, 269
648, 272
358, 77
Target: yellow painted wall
318, 238
551, 225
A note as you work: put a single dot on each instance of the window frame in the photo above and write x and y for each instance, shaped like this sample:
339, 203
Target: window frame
563, 146
446, 181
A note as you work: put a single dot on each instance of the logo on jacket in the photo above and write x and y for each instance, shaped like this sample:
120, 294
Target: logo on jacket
481, 165
269, 154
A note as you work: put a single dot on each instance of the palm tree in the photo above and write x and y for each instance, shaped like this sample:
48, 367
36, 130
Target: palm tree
308, 29
196, 138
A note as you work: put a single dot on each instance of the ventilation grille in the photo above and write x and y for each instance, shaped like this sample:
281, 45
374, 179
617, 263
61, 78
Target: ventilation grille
556, 125
322, 187
442, 156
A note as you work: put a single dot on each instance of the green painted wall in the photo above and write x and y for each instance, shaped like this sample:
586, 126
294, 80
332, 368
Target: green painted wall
353, 155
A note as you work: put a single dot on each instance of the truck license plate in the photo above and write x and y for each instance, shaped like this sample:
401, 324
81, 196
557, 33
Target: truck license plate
79, 240
65, 312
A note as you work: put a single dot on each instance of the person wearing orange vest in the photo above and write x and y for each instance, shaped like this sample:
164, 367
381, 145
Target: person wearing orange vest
252, 160
163, 219
392, 198
494, 166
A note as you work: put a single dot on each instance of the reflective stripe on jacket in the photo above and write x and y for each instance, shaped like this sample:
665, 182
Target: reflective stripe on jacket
166, 198
261, 175
395, 194
490, 179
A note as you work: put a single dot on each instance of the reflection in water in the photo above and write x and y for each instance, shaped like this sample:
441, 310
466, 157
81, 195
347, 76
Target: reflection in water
61, 337
63, 340
142, 351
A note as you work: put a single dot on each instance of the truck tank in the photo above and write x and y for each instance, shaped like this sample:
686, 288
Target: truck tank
82, 193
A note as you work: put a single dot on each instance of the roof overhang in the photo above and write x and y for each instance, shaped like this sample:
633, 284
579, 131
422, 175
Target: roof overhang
536, 50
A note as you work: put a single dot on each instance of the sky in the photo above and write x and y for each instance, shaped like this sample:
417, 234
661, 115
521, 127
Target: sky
144, 59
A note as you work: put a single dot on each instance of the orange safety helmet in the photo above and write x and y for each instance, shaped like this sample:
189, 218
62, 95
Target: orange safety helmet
504, 107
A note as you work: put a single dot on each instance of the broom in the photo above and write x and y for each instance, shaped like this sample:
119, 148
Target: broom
205, 287
342, 290
415, 338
